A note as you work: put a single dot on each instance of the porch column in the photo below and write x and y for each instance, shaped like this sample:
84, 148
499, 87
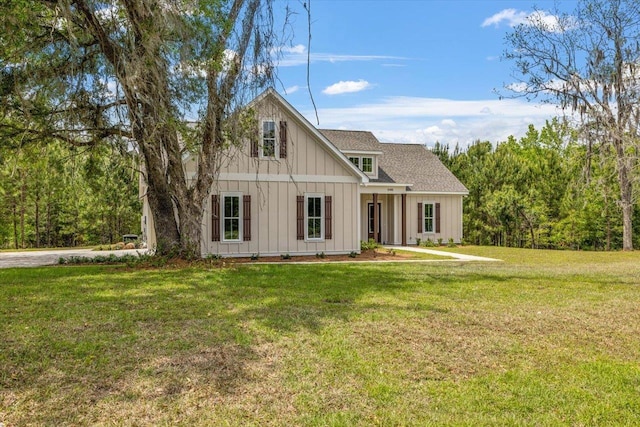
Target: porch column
404, 220
375, 217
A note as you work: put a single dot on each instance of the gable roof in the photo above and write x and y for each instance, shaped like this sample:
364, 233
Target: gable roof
331, 148
409, 164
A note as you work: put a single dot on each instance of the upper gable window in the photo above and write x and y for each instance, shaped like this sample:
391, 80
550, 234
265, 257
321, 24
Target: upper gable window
268, 138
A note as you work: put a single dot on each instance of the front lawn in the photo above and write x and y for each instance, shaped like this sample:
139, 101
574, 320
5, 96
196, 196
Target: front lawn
544, 338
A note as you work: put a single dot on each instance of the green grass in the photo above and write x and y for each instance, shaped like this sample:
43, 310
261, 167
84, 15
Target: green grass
544, 338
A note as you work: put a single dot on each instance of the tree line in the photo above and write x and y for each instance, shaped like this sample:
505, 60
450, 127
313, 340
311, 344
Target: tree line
547, 189
55, 195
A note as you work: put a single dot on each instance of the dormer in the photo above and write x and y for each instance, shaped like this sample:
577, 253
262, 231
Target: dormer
366, 161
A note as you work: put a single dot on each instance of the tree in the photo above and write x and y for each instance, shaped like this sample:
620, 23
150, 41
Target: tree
587, 63
88, 71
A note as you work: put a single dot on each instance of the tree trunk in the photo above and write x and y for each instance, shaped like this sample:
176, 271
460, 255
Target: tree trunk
37, 216
626, 199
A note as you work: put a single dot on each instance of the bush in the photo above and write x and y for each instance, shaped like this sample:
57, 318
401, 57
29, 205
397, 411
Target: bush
369, 245
439, 241
428, 243
285, 256
451, 243
418, 240
353, 254
320, 255
255, 257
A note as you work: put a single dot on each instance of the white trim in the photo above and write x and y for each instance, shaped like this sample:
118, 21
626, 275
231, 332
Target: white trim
359, 153
436, 193
255, 177
307, 196
223, 195
295, 113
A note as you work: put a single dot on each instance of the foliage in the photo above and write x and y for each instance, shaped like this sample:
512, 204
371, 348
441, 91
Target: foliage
88, 72
539, 192
55, 195
369, 245
544, 338
586, 62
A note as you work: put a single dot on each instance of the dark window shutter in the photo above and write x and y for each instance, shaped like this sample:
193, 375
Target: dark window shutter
300, 217
254, 146
328, 234
283, 140
420, 218
246, 218
437, 217
215, 218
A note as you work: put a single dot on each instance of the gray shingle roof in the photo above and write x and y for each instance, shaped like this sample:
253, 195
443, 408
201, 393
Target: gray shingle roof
345, 140
400, 163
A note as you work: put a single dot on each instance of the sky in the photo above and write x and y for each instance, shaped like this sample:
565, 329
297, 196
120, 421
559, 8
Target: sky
416, 71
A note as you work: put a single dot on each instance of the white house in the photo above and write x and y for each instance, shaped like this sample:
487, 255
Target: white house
299, 190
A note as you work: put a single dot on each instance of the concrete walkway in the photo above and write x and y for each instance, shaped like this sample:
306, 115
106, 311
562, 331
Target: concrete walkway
50, 257
459, 257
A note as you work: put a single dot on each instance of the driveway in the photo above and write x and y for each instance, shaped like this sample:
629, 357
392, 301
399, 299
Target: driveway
49, 257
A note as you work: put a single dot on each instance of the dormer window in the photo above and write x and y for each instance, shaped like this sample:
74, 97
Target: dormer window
268, 139
367, 164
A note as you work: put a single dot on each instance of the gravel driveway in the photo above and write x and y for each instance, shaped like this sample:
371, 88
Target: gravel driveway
49, 257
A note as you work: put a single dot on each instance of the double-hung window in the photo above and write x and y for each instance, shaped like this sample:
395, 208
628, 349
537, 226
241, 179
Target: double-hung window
429, 217
314, 217
231, 215
268, 138
355, 161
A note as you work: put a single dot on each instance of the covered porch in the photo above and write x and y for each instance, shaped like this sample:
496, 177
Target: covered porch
383, 215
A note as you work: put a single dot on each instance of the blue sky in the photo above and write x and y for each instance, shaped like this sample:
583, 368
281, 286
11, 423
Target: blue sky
411, 71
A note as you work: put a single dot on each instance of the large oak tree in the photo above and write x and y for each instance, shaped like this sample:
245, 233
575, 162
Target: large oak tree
85, 71
588, 62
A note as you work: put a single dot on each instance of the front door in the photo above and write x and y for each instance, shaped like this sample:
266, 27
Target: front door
370, 221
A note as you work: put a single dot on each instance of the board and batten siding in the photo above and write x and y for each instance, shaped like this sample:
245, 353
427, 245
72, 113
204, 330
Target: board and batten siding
273, 219
450, 217
274, 185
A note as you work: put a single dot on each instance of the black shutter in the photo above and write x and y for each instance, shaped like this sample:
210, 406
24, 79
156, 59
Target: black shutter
300, 217
420, 218
246, 218
215, 218
283, 140
437, 217
328, 234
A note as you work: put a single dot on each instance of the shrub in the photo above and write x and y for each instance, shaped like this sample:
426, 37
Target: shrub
320, 255
285, 256
439, 241
451, 243
369, 245
428, 243
418, 240
255, 257
353, 254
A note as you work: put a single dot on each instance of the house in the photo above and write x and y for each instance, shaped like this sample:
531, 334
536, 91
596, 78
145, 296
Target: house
297, 190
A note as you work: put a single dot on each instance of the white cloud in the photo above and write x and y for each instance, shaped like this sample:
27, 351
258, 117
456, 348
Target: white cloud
346, 87
427, 120
513, 17
291, 56
292, 89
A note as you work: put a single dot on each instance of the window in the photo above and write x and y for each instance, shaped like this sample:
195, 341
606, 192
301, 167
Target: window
429, 217
355, 161
231, 215
367, 164
314, 220
268, 139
